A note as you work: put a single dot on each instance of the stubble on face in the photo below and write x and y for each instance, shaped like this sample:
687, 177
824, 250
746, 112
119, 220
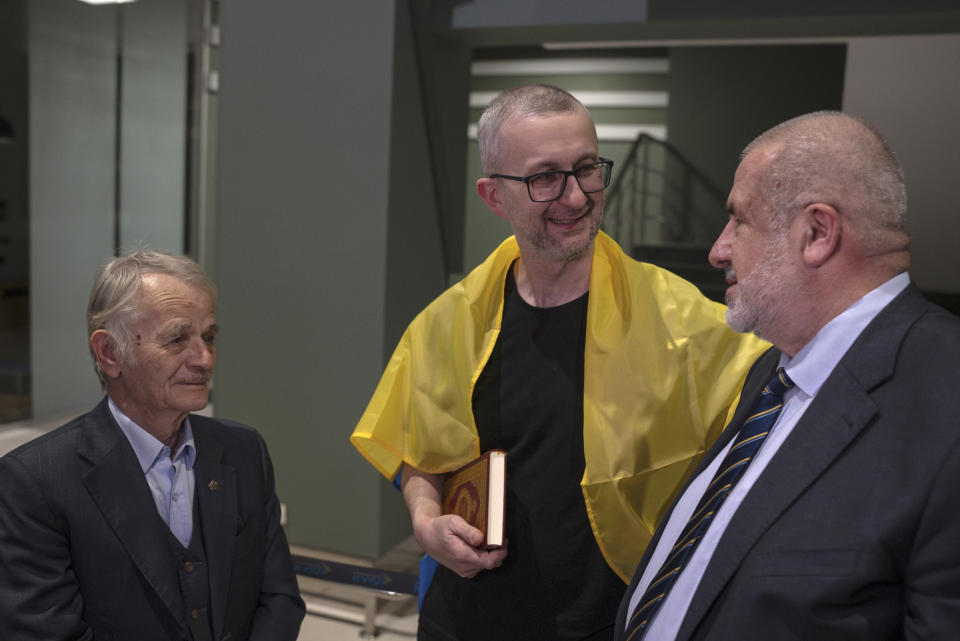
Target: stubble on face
564, 247
756, 305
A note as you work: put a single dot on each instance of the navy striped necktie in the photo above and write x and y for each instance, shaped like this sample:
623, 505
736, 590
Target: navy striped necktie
747, 444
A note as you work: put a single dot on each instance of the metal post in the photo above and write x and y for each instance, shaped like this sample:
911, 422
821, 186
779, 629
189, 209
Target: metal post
643, 193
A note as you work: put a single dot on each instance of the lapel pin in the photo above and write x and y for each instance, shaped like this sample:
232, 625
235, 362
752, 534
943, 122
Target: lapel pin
214, 485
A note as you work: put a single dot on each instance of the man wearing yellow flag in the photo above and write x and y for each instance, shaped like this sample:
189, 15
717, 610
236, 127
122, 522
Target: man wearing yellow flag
602, 377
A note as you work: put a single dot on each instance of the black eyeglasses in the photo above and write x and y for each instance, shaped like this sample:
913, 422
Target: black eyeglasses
550, 185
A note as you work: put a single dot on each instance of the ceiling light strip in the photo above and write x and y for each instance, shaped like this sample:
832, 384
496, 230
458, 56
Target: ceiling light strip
480, 99
569, 66
691, 42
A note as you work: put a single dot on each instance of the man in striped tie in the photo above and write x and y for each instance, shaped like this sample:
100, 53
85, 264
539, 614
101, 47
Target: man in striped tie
828, 508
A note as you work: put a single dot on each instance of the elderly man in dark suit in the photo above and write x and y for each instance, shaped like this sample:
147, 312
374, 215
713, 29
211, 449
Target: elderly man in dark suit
828, 508
139, 520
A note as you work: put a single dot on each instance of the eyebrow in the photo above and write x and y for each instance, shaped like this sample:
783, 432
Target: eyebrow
180, 329
552, 166
173, 331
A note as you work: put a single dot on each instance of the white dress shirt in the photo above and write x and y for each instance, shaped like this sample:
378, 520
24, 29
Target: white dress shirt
171, 480
808, 369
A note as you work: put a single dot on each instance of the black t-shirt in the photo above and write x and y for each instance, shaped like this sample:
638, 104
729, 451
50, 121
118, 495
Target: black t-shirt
554, 583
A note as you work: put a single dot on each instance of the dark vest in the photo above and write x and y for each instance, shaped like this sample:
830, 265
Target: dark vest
194, 577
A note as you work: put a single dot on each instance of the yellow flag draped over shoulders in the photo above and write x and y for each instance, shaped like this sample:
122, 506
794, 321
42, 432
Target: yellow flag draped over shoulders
662, 373
420, 412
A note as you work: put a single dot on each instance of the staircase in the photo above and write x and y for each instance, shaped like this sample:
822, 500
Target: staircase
665, 211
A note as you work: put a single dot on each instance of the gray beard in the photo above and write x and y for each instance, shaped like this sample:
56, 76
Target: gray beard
760, 297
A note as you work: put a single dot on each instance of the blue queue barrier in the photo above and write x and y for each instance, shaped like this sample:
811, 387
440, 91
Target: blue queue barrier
386, 582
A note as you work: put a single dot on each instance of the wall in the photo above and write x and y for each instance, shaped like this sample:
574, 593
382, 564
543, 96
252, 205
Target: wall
72, 94
154, 124
424, 218
72, 99
909, 88
313, 222
723, 97
420, 192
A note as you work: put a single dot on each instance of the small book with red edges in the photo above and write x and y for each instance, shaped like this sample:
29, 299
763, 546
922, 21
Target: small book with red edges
477, 493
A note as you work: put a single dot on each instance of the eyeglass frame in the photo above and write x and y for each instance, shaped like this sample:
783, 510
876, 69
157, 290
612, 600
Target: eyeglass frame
566, 173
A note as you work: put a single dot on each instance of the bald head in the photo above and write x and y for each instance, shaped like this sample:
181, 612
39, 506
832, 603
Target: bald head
833, 158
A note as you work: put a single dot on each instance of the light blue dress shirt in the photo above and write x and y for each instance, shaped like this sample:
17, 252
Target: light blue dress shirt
809, 369
171, 480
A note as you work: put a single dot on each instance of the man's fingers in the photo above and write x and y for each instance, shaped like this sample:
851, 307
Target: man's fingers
471, 535
457, 545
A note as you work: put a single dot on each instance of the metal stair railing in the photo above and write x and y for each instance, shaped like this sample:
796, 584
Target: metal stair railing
660, 197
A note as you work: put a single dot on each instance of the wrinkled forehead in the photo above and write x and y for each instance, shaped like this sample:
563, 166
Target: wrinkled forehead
167, 295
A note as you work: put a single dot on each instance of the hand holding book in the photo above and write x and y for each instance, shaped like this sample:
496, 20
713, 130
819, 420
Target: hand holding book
477, 493
448, 538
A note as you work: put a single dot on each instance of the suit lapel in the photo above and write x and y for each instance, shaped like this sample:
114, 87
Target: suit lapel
841, 410
117, 485
826, 429
217, 495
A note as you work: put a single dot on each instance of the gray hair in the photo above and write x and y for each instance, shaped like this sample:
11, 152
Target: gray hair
519, 102
114, 299
837, 159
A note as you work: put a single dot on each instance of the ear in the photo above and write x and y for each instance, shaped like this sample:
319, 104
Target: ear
821, 233
105, 352
489, 191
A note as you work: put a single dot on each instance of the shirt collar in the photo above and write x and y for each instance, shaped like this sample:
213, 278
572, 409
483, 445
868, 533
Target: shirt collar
814, 363
146, 446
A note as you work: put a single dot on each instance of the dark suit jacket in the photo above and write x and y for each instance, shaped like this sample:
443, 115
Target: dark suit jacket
852, 531
85, 555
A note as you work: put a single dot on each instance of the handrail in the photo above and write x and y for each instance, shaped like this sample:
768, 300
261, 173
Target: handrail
687, 165
674, 186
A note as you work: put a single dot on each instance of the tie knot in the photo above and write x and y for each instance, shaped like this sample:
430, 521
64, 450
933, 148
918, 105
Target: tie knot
779, 384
